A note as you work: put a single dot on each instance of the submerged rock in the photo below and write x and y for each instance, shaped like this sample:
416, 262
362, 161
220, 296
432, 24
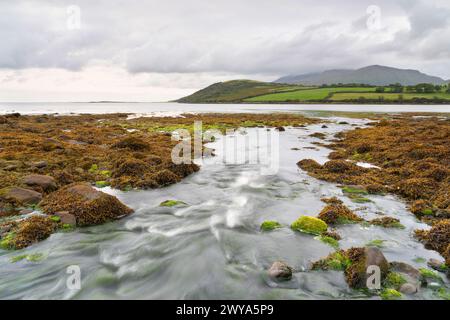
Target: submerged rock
387, 222
309, 224
280, 271
270, 225
89, 206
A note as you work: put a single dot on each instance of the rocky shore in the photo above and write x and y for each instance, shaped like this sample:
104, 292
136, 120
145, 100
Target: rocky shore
408, 156
51, 166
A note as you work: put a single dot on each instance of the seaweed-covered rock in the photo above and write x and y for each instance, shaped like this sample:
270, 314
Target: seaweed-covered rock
20, 196
332, 200
309, 224
417, 188
308, 165
269, 225
89, 206
280, 271
332, 234
387, 222
338, 166
338, 214
41, 182
437, 238
355, 262
131, 167
131, 143
362, 258
26, 232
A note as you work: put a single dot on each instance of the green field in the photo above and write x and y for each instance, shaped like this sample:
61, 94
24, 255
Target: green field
388, 96
306, 95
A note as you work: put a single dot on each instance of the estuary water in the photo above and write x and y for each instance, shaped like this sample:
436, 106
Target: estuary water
212, 247
172, 108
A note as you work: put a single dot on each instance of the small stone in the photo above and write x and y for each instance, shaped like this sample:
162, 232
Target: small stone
25, 211
406, 269
437, 265
40, 164
408, 288
324, 127
280, 129
280, 271
66, 218
11, 167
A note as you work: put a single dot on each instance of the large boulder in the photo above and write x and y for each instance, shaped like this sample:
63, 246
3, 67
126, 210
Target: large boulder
89, 206
20, 196
42, 182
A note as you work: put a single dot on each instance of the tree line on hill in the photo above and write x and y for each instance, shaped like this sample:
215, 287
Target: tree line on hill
395, 87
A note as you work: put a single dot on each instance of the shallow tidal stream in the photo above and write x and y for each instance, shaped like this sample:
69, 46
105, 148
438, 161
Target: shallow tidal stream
212, 248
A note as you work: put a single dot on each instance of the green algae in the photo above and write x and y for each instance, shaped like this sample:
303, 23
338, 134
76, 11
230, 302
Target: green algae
270, 225
310, 225
171, 203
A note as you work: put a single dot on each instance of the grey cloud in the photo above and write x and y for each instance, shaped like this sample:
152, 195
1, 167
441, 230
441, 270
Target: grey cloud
241, 37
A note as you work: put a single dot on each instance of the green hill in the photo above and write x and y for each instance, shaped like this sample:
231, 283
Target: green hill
249, 91
236, 91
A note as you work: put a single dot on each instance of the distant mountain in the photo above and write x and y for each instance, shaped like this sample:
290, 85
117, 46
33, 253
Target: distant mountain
372, 75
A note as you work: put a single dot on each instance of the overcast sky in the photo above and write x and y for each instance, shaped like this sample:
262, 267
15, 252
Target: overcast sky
148, 50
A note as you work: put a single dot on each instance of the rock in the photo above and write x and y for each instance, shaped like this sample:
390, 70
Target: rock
40, 164
437, 265
51, 144
309, 224
20, 196
361, 259
11, 167
3, 120
308, 165
89, 206
408, 288
28, 231
336, 213
66, 218
324, 127
374, 256
26, 211
280, 271
280, 129
46, 183
405, 268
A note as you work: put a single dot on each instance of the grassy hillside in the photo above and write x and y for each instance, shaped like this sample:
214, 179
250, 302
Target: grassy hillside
248, 91
236, 91
305, 95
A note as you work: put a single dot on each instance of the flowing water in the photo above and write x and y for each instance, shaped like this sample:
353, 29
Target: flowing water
212, 247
